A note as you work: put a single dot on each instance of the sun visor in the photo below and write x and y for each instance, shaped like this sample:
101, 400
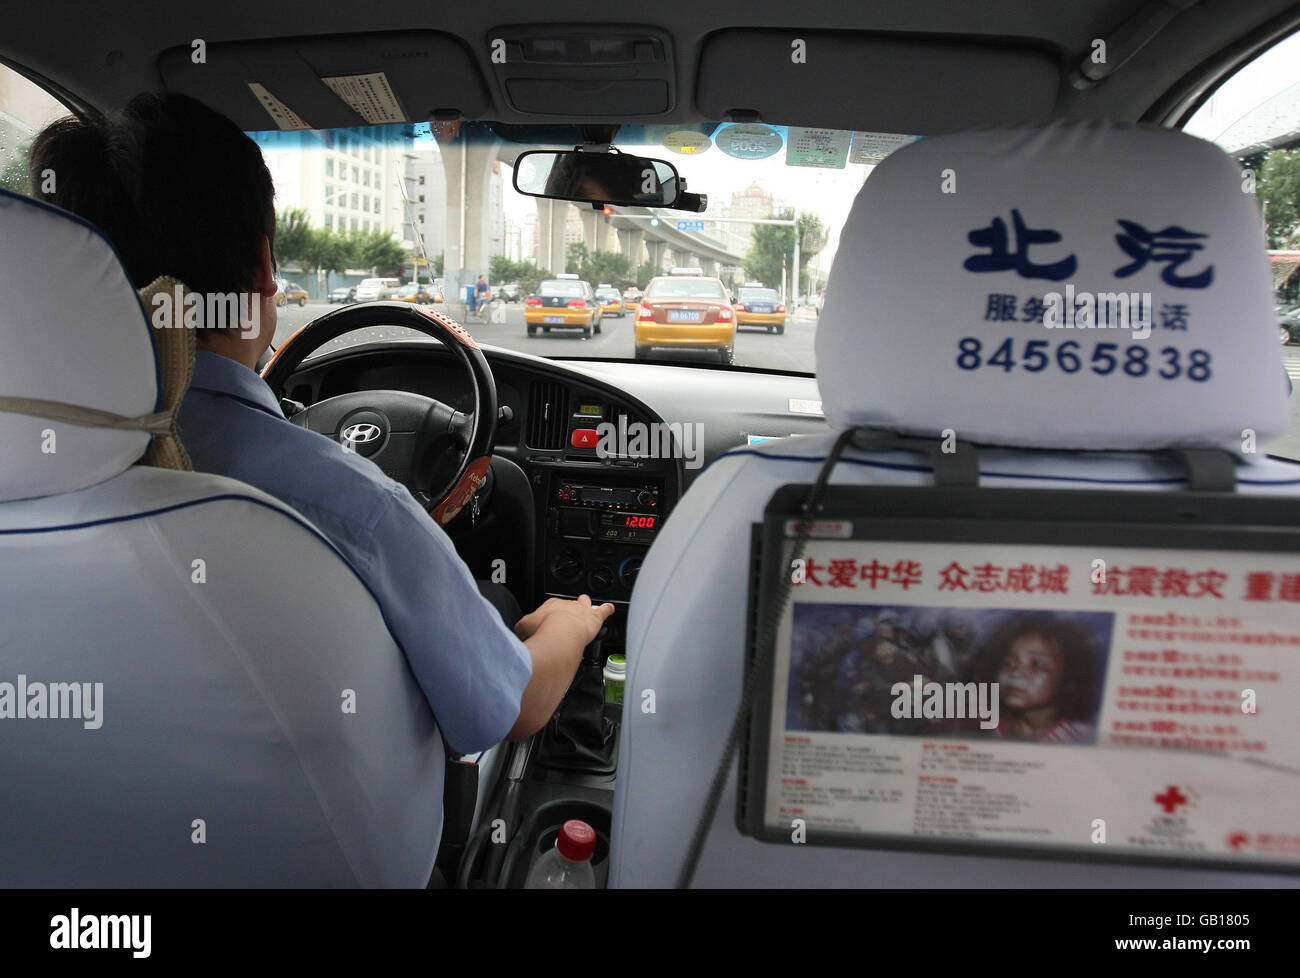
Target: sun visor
870, 82
330, 82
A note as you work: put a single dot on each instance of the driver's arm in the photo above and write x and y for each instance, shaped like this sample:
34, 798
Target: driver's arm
555, 634
474, 671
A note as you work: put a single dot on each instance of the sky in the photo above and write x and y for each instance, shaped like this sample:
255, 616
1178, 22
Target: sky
1273, 71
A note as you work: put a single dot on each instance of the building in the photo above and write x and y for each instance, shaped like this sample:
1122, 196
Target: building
514, 242
751, 203
346, 181
428, 200
530, 237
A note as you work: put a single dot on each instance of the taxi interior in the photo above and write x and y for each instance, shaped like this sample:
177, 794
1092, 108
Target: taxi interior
917, 67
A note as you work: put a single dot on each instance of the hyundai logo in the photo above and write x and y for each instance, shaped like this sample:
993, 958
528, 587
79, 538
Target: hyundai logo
360, 434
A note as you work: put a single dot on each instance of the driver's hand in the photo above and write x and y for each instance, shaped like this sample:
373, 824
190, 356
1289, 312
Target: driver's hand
579, 615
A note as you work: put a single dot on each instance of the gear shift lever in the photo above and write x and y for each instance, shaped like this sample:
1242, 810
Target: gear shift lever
578, 736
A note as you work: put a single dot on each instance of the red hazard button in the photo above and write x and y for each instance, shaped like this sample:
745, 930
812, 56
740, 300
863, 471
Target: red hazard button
584, 438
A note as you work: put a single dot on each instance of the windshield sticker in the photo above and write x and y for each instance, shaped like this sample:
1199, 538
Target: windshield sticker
872, 147
749, 142
817, 147
687, 142
800, 405
283, 116
369, 96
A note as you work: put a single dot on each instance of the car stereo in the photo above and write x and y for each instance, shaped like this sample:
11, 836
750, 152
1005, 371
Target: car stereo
596, 536
641, 497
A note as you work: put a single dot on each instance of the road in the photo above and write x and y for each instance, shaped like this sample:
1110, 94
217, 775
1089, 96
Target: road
792, 350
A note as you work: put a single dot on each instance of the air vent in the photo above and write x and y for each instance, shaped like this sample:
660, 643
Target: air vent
547, 415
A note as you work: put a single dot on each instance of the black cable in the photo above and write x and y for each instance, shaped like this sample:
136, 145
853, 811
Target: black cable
766, 640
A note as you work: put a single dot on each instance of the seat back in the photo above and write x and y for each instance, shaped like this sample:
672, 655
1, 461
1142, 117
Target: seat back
919, 271
195, 688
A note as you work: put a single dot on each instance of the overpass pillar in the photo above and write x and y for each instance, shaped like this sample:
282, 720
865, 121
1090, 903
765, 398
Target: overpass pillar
657, 250
474, 211
595, 230
632, 242
709, 266
552, 216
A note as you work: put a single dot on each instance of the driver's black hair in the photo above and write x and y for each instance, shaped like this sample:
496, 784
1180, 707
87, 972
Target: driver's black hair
177, 187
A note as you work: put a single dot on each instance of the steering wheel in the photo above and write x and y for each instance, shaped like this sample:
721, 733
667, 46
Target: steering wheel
440, 454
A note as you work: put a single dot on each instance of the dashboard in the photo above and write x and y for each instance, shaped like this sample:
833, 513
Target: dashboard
575, 518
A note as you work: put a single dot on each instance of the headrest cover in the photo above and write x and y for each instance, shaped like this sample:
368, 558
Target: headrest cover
73, 331
957, 245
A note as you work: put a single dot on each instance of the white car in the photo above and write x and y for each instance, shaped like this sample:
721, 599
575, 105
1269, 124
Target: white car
371, 289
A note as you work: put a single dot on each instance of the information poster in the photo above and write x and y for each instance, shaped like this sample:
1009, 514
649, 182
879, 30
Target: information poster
817, 147
1133, 701
872, 147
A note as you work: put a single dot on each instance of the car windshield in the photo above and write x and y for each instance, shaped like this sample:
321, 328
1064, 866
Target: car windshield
388, 200
757, 295
685, 288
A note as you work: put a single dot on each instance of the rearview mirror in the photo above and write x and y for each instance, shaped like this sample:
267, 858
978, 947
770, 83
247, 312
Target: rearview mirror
597, 178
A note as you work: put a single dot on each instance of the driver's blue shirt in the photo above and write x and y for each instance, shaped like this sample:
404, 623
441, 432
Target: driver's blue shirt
472, 668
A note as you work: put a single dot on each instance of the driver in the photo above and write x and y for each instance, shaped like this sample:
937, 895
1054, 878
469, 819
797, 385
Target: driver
182, 192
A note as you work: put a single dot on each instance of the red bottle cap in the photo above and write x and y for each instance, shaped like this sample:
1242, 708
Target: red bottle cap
577, 840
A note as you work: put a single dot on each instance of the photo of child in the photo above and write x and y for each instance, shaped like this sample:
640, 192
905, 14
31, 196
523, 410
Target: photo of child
1049, 669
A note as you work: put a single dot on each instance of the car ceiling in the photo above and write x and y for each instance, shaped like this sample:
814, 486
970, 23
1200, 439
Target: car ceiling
865, 62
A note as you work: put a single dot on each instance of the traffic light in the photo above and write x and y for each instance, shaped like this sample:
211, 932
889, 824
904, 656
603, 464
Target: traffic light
654, 222
607, 210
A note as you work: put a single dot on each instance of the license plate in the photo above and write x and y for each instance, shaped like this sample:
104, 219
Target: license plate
684, 316
553, 319
763, 309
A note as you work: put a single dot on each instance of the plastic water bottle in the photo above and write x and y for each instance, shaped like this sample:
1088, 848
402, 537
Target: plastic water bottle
568, 865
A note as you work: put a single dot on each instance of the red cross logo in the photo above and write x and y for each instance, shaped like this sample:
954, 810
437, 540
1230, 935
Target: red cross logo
1171, 799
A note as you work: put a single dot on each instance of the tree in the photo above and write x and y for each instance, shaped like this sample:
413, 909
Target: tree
378, 250
436, 262
329, 251
812, 239
606, 266
644, 273
1278, 191
773, 247
502, 269
597, 267
293, 235
575, 257
530, 277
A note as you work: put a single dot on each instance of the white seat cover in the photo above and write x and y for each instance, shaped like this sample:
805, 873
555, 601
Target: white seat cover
902, 296
882, 345
223, 699
256, 723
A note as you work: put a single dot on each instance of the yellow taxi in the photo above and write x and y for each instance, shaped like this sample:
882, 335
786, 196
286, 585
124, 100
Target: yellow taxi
564, 302
291, 292
413, 293
611, 302
757, 305
632, 299
686, 310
